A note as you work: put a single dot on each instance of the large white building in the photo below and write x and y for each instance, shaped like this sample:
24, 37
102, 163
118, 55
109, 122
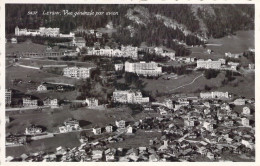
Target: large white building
126, 51
214, 95
42, 31
129, 96
208, 64
77, 72
143, 68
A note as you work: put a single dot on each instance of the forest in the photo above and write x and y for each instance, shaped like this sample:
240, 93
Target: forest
221, 21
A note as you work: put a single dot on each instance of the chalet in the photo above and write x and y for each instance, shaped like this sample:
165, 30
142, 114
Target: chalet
246, 111
14, 40
41, 88
79, 42
97, 155
92, 102
240, 101
110, 154
50, 102
70, 125
129, 130
120, 124
30, 102
97, 131
245, 122
109, 129
33, 130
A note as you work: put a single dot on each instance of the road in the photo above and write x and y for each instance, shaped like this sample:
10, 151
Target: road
188, 83
26, 108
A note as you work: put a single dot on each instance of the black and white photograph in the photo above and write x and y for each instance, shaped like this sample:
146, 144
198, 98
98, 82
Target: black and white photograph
129, 82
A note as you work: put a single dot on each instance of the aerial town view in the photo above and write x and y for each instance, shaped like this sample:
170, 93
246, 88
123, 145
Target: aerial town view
130, 83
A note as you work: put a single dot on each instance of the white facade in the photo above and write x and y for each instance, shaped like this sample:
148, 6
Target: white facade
143, 68
129, 97
92, 102
119, 67
42, 31
27, 102
208, 64
76, 72
246, 110
41, 88
208, 126
245, 122
8, 96
214, 95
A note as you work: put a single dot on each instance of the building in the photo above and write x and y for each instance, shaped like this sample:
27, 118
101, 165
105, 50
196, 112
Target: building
188, 123
129, 130
7, 119
8, 96
98, 34
208, 126
229, 55
33, 130
50, 32
110, 154
97, 131
42, 31
92, 102
208, 64
14, 40
77, 72
109, 129
50, 102
143, 68
251, 66
240, 101
120, 124
26, 32
245, 122
214, 95
79, 42
97, 154
70, 125
129, 96
30, 102
119, 67
41, 88
246, 110
129, 51
70, 35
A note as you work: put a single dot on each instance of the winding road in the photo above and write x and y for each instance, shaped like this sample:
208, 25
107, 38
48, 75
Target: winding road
188, 83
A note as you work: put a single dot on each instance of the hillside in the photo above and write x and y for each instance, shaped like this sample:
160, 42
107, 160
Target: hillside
172, 26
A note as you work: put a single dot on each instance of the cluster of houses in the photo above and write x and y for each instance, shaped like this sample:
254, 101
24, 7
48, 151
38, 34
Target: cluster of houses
207, 130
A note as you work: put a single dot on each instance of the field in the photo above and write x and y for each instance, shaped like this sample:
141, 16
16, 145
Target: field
88, 119
41, 61
234, 44
69, 140
137, 139
53, 119
168, 86
38, 76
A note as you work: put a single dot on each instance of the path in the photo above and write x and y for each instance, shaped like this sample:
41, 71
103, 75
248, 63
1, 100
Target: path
188, 83
26, 108
30, 67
